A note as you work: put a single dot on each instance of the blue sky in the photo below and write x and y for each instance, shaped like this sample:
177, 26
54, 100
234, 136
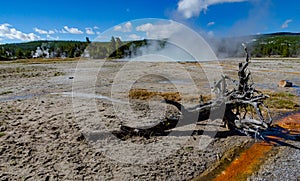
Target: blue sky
74, 20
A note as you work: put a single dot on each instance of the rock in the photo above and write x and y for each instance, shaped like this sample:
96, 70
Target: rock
285, 83
47, 178
16, 123
3, 128
80, 137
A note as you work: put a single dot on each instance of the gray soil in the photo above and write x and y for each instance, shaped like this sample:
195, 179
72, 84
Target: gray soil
284, 165
56, 121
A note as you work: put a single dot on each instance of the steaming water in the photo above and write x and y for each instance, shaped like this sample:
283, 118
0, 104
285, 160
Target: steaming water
267, 86
182, 82
158, 60
90, 96
71, 94
297, 90
19, 97
296, 82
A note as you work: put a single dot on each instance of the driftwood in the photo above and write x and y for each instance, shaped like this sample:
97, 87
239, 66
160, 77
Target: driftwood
240, 108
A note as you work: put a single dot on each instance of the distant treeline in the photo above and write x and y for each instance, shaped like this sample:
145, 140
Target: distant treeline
280, 45
113, 49
42, 49
270, 45
116, 49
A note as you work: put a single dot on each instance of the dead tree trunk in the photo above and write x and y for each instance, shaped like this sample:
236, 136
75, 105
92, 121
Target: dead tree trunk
243, 107
243, 104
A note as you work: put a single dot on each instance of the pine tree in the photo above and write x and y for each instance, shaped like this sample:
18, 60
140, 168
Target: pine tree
113, 46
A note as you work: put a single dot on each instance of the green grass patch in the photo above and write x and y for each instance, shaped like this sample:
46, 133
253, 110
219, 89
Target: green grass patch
282, 100
2, 134
189, 148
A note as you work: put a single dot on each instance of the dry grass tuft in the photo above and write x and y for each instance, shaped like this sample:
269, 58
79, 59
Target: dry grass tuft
144, 94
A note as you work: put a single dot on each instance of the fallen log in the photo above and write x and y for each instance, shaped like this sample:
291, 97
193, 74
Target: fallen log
239, 108
243, 104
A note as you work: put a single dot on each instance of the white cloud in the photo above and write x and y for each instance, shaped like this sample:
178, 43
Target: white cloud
211, 23
51, 32
118, 28
158, 31
71, 30
127, 27
192, 8
40, 31
286, 23
6, 32
134, 37
89, 31
43, 32
63, 31
98, 32
210, 34
52, 38
145, 27
96, 27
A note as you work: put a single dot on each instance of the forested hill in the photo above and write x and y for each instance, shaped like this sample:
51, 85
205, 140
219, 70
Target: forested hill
115, 48
45, 49
283, 34
282, 44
